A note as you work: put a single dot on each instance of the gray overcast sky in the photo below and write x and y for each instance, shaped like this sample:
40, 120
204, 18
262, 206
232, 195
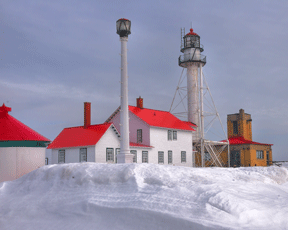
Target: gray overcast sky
57, 54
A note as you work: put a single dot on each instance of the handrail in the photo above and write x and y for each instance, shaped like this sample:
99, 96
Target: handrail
194, 58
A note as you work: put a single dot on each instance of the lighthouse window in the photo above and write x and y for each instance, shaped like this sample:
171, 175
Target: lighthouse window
169, 135
61, 156
134, 152
235, 127
207, 156
109, 155
117, 152
139, 135
160, 157
183, 156
83, 155
144, 156
260, 154
170, 159
174, 135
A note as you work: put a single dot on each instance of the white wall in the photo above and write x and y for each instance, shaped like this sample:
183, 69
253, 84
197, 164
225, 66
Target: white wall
159, 141
134, 124
72, 155
94, 153
108, 140
18, 161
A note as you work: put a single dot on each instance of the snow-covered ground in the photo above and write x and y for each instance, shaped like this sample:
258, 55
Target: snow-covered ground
145, 196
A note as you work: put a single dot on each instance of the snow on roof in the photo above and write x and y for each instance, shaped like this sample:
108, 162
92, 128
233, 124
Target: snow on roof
13, 130
79, 136
239, 140
160, 118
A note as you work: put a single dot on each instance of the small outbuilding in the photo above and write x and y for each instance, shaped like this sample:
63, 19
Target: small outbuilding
22, 149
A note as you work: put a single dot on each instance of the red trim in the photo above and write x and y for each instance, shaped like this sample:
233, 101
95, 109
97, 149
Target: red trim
132, 144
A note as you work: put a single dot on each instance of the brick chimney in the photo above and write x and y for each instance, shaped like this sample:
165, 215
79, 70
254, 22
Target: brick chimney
87, 114
139, 102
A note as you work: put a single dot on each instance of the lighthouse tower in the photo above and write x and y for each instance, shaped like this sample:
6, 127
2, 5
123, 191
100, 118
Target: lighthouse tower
123, 27
193, 61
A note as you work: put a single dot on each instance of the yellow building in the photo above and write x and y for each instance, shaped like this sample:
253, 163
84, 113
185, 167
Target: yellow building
244, 151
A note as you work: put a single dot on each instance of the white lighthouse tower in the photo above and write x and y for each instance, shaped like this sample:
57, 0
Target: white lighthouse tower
123, 27
206, 152
193, 61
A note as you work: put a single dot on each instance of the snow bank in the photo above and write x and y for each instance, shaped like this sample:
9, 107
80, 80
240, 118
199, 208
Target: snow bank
145, 196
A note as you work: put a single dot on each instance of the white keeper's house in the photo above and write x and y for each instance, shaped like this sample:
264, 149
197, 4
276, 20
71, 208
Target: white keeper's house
155, 137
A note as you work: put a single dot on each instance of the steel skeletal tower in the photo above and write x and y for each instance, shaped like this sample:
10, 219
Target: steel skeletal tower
123, 27
193, 61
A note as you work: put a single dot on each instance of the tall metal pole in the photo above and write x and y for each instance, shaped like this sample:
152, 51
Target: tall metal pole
202, 118
123, 29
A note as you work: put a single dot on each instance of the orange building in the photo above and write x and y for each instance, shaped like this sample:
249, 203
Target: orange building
244, 151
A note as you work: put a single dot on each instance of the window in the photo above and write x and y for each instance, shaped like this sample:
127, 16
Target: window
61, 156
83, 155
169, 135
183, 156
117, 152
139, 135
259, 154
170, 159
144, 156
46, 161
160, 157
235, 127
109, 155
134, 152
207, 156
174, 135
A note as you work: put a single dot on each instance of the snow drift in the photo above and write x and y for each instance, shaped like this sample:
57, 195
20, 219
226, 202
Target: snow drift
145, 196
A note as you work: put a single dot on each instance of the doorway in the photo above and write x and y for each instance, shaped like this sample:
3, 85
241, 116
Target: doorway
235, 160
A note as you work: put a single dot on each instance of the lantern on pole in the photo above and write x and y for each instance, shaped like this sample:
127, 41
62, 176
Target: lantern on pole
123, 27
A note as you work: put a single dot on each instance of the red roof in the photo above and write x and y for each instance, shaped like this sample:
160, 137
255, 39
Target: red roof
159, 118
191, 33
239, 140
79, 136
190, 123
13, 130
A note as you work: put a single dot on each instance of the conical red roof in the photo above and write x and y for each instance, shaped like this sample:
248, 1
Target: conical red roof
13, 130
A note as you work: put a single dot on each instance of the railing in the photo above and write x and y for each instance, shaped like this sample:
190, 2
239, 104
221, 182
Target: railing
191, 46
195, 58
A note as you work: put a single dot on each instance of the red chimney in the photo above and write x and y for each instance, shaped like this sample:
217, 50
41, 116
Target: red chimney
139, 102
87, 114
